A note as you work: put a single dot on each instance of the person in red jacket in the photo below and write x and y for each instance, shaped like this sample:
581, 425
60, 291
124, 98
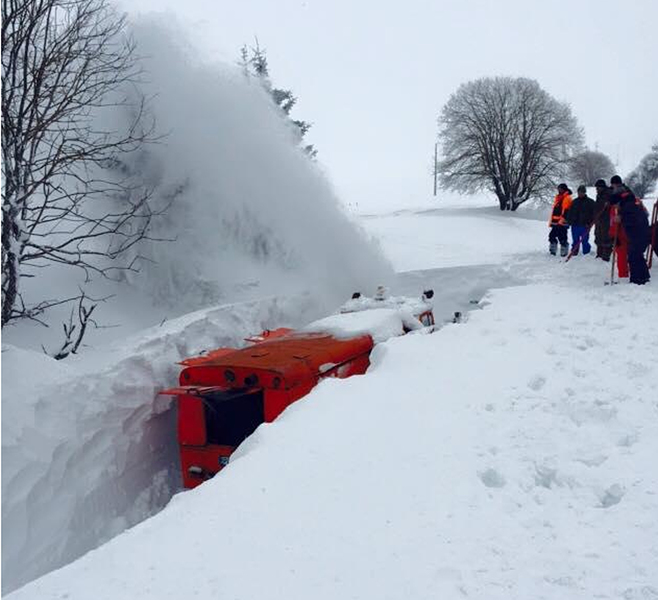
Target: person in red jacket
633, 217
620, 242
558, 221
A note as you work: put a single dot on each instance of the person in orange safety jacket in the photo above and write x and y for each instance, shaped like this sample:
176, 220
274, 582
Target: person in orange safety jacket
558, 221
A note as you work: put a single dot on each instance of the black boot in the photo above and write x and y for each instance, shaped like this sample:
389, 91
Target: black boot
552, 248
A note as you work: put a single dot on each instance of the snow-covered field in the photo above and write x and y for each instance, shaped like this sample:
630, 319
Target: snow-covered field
449, 237
510, 456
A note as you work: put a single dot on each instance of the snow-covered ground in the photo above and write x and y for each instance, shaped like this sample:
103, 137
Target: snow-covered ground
449, 237
509, 456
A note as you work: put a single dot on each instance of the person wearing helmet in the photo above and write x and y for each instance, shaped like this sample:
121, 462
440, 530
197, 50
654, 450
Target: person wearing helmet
634, 219
558, 221
602, 225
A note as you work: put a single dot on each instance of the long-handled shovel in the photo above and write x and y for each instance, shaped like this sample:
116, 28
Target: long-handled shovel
614, 255
653, 230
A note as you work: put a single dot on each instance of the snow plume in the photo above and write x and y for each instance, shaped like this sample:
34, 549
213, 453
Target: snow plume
249, 212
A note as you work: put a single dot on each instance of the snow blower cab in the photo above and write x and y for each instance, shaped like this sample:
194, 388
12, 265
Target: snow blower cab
225, 394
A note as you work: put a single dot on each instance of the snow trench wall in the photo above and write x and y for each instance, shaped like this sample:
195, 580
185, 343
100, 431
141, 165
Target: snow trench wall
88, 448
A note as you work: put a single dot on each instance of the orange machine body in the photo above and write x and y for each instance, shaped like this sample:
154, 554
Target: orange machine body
226, 394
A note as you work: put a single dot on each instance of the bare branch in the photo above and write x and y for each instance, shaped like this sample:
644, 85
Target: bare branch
65, 199
74, 333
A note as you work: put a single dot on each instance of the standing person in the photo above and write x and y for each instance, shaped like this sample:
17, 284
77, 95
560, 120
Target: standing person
580, 217
619, 242
635, 222
558, 221
602, 225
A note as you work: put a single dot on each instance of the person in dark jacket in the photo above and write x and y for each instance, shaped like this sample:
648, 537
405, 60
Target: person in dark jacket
581, 217
558, 221
602, 237
635, 221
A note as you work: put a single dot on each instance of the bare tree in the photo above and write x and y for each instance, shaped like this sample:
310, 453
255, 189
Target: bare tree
67, 66
588, 166
642, 180
507, 136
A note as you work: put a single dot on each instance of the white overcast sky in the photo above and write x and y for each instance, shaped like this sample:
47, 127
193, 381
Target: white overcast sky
372, 75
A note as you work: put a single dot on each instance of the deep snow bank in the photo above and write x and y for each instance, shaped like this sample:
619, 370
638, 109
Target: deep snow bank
509, 457
87, 448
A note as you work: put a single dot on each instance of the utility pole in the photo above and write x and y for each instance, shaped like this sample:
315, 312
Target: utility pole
436, 150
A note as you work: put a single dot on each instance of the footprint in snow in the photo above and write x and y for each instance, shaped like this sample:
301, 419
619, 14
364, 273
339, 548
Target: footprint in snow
595, 460
645, 592
628, 440
492, 478
537, 383
546, 476
636, 369
612, 495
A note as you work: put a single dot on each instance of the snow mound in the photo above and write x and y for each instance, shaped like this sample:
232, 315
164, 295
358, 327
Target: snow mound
88, 448
380, 324
506, 458
380, 318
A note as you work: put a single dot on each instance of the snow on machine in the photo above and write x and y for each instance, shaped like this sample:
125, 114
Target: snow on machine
225, 394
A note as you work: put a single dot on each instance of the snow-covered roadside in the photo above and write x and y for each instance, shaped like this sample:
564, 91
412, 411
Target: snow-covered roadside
87, 448
511, 457
449, 236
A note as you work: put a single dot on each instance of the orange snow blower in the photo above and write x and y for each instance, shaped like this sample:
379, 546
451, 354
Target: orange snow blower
224, 395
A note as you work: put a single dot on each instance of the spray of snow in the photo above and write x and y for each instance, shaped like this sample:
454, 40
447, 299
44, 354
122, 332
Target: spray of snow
250, 211
248, 214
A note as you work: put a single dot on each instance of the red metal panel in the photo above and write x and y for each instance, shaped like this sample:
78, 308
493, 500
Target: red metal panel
356, 366
209, 460
191, 421
276, 401
206, 358
191, 390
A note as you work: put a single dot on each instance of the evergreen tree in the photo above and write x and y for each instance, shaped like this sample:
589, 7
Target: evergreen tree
253, 61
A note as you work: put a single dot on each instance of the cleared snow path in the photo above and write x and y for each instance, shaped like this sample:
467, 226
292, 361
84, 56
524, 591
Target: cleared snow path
511, 457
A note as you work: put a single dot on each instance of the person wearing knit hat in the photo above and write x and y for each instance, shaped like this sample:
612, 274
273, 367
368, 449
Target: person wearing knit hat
558, 221
580, 217
602, 237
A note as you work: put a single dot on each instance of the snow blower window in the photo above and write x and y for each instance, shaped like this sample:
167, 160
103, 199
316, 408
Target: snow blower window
232, 416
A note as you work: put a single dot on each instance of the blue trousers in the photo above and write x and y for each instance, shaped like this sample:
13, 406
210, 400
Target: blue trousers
580, 232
